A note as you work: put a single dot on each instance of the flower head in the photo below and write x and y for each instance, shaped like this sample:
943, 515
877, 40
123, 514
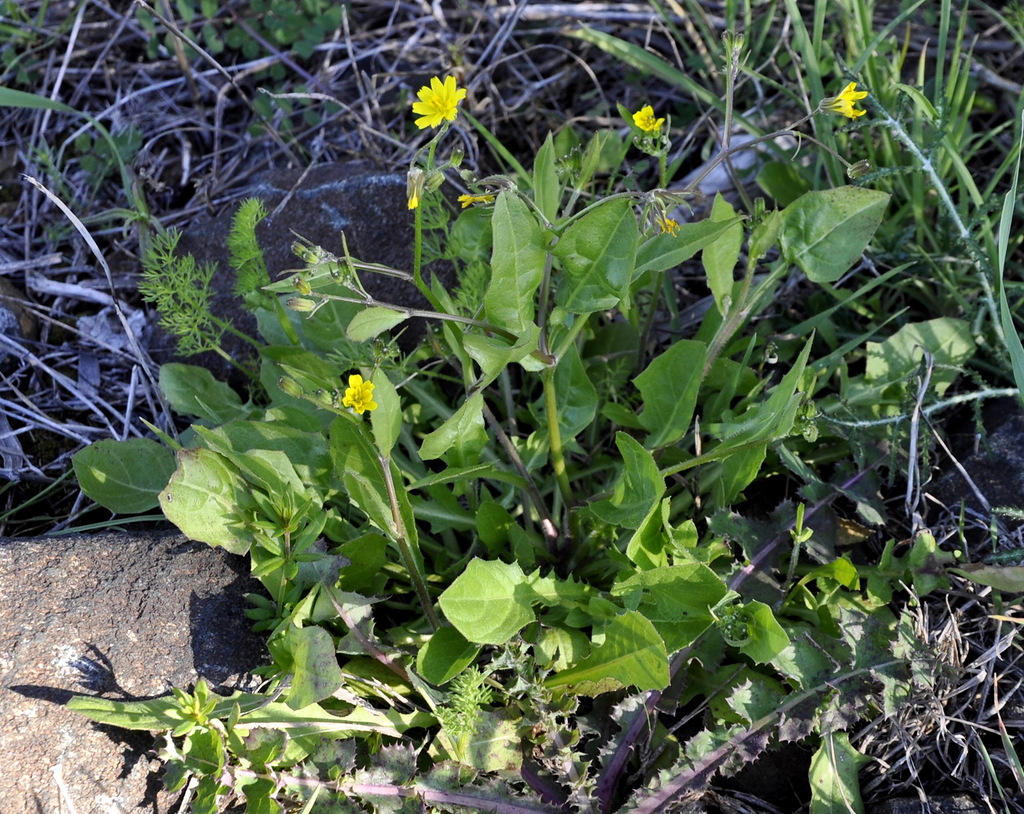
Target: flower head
466, 200
414, 186
843, 103
437, 102
644, 119
667, 225
359, 395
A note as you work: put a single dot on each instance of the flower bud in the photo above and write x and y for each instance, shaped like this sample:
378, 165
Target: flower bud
301, 304
859, 169
290, 386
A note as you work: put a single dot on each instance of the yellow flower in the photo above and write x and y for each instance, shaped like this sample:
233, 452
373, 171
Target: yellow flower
644, 119
843, 103
667, 225
414, 186
359, 395
466, 200
437, 102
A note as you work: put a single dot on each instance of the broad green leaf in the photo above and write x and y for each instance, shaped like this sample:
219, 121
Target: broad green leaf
677, 599
766, 639
314, 666
371, 322
444, 655
518, 258
494, 743
494, 353
359, 466
721, 256
306, 461
892, 363
386, 420
835, 788
192, 390
826, 231
467, 421
547, 191
669, 389
666, 251
206, 498
489, 602
632, 654
598, 254
639, 486
124, 476
577, 398
1006, 578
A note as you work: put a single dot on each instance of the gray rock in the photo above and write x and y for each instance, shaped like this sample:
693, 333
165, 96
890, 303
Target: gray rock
125, 616
370, 207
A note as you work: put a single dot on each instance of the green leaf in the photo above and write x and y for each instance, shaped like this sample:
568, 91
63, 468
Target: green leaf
547, 191
314, 664
666, 251
826, 231
835, 788
598, 254
766, 639
639, 487
631, 655
386, 420
489, 602
371, 322
124, 476
721, 256
577, 397
669, 389
192, 390
444, 655
677, 599
205, 499
1006, 578
467, 421
518, 258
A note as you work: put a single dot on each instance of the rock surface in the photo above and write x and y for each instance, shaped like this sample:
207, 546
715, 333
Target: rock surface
125, 616
370, 207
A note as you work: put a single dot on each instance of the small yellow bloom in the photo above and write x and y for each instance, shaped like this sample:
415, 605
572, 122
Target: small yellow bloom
359, 395
843, 103
414, 186
667, 226
644, 119
437, 102
466, 200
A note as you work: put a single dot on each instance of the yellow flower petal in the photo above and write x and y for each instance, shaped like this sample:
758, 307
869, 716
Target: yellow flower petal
644, 119
438, 102
843, 103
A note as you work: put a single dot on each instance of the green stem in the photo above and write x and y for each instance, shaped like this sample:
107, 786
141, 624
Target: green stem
401, 538
555, 436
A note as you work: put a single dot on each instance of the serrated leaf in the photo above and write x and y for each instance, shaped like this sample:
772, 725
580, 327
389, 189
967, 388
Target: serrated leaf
124, 476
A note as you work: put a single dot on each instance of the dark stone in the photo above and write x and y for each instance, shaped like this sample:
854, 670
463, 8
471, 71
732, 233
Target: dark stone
124, 616
370, 207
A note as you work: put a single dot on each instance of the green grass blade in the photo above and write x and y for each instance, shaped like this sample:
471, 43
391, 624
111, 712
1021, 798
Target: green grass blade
1013, 343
